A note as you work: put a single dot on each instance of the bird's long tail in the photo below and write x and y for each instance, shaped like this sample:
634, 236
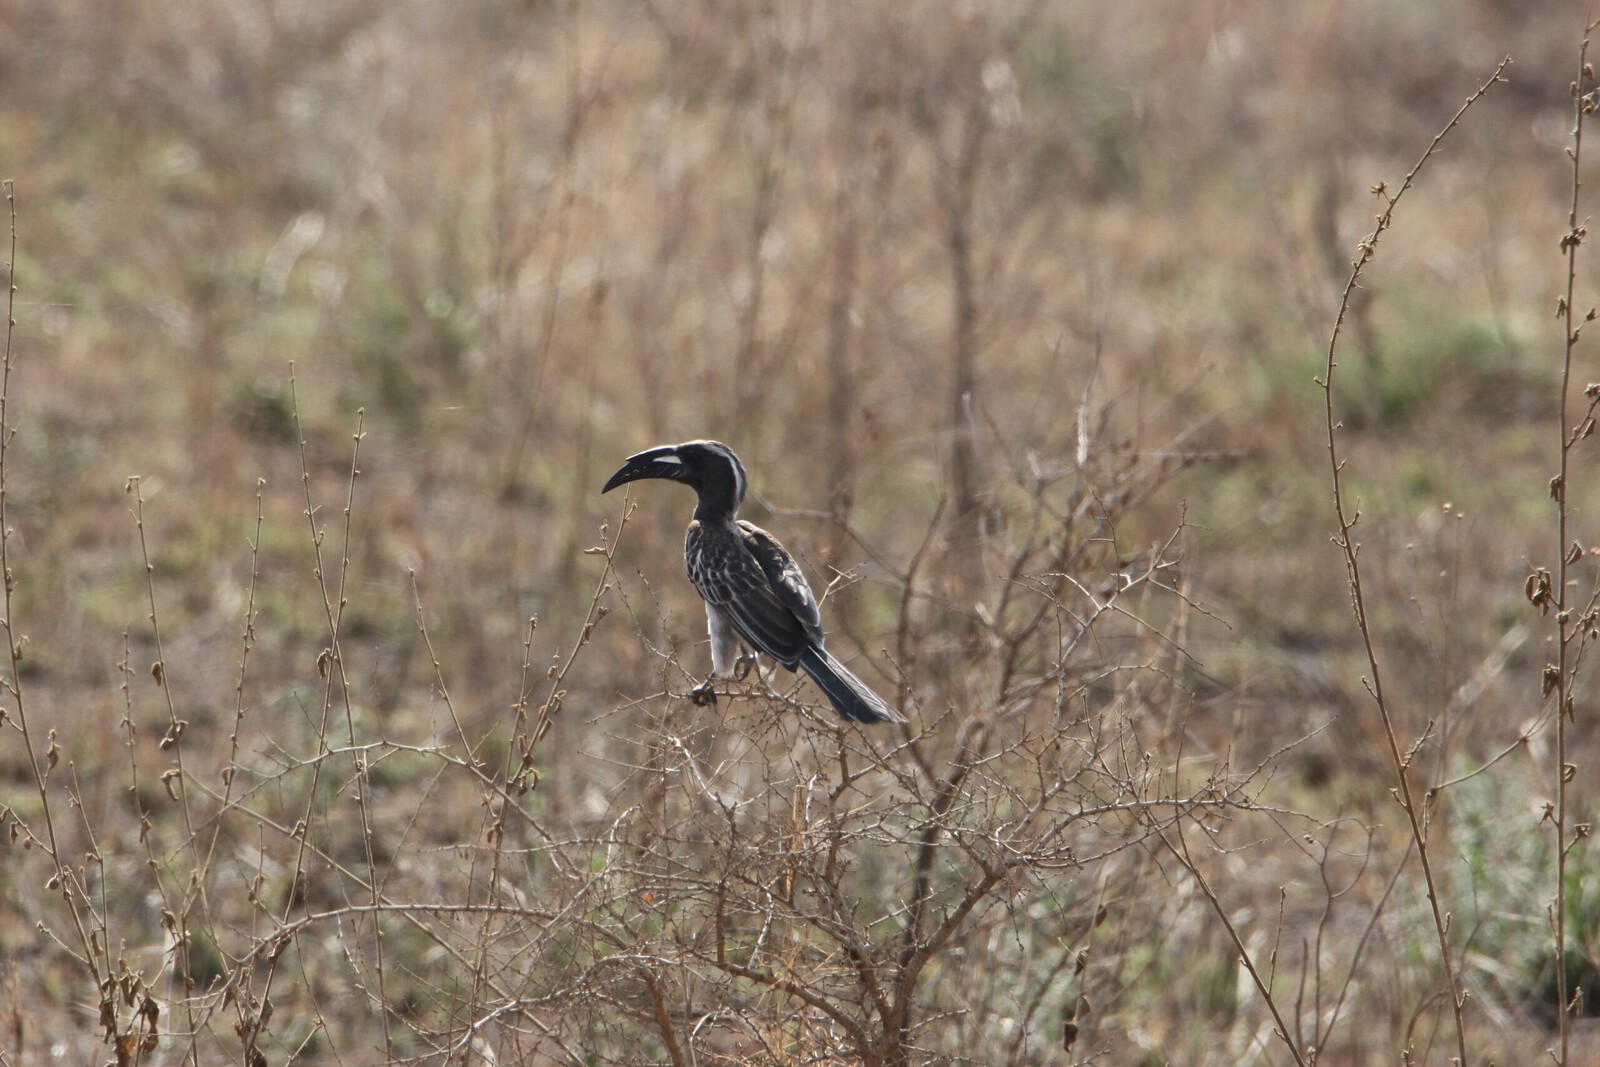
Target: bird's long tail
850, 696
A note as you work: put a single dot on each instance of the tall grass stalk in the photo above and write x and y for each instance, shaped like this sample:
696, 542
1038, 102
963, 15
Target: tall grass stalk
1417, 804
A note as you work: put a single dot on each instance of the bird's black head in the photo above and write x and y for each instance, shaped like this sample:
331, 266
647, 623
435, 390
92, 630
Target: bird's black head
710, 467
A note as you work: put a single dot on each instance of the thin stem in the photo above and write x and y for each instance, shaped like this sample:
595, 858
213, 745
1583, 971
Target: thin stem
40, 768
1568, 628
1417, 816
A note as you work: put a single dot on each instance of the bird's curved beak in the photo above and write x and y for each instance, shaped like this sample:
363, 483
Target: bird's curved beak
663, 462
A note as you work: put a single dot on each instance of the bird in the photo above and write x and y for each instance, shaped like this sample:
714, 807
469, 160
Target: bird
757, 600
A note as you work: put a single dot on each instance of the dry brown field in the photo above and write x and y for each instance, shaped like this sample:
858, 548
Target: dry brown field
1251, 717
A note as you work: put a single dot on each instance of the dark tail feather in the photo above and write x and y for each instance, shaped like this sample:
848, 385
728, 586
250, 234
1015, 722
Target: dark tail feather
850, 696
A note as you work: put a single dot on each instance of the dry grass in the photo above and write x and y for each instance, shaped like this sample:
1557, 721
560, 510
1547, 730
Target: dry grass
344, 721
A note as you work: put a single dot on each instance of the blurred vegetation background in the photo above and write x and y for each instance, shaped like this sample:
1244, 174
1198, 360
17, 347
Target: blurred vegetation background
930, 268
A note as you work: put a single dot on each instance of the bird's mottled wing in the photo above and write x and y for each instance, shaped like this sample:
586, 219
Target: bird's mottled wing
784, 576
746, 574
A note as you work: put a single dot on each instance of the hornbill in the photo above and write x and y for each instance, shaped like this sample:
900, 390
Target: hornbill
756, 598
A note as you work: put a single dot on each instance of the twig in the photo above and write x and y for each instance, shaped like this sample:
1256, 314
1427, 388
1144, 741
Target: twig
1568, 628
1416, 816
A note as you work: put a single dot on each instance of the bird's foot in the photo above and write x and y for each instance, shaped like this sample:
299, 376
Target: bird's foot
742, 665
703, 694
